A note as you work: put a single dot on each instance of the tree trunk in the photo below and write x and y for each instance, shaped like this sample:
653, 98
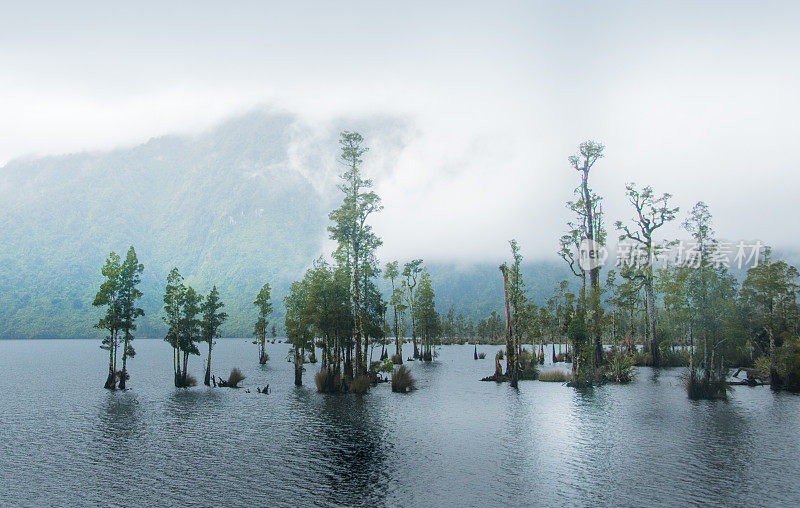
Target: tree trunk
124, 375
298, 369
511, 362
651, 303
111, 380
207, 380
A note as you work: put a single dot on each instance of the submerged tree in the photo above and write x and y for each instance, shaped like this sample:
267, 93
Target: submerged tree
427, 319
209, 326
711, 297
392, 273
411, 271
264, 306
299, 320
769, 297
589, 228
173, 297
651, 213
189, 330
128, 295
350, 229
108, 296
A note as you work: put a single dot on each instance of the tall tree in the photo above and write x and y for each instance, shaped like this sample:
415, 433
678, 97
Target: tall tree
173, 298
651, 213
129, 294
350, 228
427, 319
264, 306
589, 209
769, 294
189, 329
511, 363
711, 297
299, 322
586, 233
209, 325
411, 271
108, 296
392, 272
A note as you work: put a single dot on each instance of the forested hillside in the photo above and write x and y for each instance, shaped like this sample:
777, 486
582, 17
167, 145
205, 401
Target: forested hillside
232, 207
225, 207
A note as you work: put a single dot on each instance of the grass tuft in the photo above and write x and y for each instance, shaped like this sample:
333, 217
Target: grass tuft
555, 376
402, 380
235, 377
361, 384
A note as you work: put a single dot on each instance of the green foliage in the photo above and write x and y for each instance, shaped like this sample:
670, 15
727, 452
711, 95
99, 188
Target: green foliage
528, 365
212, 317
428, 324
787, 365
620, 369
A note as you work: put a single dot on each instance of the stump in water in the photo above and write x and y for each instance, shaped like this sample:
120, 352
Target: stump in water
233, 380
498, 370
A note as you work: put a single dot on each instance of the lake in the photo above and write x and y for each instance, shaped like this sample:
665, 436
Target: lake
455, 441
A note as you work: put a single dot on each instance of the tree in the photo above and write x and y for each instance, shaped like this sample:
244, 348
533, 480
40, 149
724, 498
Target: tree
651, 213
129, 277
264, 306
209, 326
511, 364
769, 295
108, 296
517, 298
711, 298
411, 271
299, 322
589, 227
586, 233
173, 298
189, 329
392, 272
350, 228
427, 319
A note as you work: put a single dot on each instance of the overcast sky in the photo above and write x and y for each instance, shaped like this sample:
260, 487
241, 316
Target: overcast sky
699, 99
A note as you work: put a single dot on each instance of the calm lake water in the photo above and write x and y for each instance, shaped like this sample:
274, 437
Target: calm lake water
456, 441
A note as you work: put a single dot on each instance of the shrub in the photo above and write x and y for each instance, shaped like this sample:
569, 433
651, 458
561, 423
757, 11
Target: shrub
402, 381
620, 369
481, 356
555, 376
326, 381
397, 359
642, 359
500, 354
671, 358
190, 381
527, 366
361, 384
700, 387
386, 366
234, 378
